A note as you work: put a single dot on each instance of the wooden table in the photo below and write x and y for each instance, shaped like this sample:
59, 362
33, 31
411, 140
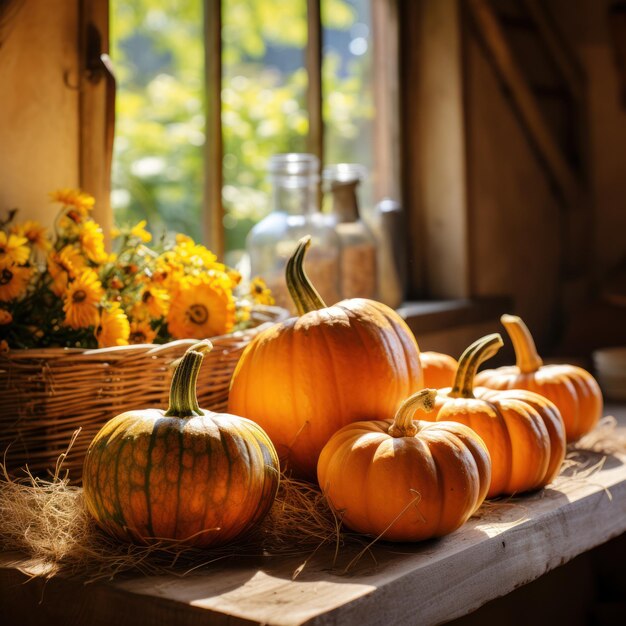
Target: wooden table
504, 547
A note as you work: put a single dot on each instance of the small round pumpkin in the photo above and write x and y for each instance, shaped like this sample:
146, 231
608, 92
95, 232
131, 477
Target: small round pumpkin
438, 368
573, 389
185, 474
405, 480
305, 378
524, 433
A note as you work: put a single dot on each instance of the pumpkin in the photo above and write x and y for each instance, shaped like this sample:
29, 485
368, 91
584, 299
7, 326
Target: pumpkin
574, 390
524, 433
405, 480
305, 378
438, 369
185, 474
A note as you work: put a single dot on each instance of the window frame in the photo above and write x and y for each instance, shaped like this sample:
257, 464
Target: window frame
386, 100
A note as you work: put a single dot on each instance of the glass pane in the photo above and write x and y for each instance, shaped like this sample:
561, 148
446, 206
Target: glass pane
158, 51
347, 87
263, 102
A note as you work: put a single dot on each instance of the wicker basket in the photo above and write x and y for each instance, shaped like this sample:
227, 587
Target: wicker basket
47, 394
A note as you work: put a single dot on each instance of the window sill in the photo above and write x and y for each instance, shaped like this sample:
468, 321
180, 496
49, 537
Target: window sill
437, 315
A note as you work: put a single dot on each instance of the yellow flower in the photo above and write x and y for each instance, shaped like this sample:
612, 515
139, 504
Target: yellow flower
139, 231
5, 317
235, 277
243, 314
13, 250
200, 308
167, 271
141, 332
181, 238
154, 301
81, 202
69, 226
260, 293
115, 232
13, 282
63, 266
113, 328
195, 255
34, 232
92, 242
81, 300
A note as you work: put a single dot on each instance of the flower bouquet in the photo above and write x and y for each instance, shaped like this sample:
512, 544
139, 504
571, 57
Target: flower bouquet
85, 333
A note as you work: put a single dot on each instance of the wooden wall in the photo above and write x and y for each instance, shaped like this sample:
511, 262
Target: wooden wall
39, 121
517, 229
587, 29
53, 122
514, 216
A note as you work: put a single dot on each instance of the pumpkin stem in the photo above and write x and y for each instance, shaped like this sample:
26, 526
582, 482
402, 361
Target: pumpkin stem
528, 360
183, 398
403, 425
481, 350
303, 293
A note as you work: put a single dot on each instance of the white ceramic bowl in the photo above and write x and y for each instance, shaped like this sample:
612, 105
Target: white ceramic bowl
610, 366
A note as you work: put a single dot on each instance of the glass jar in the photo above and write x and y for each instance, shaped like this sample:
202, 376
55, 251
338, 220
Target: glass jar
389, 226
270, 243
358, 245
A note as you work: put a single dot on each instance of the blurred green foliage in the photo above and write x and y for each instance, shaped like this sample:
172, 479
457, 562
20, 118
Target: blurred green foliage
158, 51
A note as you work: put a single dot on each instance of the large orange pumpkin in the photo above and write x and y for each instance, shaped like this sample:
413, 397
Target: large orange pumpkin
184, 474
524, 433
574, 390
438, 368
305, 378
405, 480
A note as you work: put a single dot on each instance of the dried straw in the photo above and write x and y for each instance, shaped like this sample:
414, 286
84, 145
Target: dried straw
47, 520
605, 438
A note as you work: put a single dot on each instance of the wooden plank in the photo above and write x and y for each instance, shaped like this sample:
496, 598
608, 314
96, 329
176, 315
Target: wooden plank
525, 103
39, 110
313, 61
432, 316
385, 32
502, 548
213, 213
434, 147
563, 58
97, 109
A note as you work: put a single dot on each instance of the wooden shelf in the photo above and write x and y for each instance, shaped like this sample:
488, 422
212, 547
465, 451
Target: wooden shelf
505, 546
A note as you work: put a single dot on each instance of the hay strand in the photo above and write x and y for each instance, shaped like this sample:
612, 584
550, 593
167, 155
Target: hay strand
46, 519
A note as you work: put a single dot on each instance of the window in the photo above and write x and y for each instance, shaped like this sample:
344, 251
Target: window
208, 91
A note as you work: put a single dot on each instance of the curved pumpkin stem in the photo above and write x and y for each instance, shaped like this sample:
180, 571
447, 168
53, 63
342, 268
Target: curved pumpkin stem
481, 350
403, 425
303, 293
183, 398
528, 360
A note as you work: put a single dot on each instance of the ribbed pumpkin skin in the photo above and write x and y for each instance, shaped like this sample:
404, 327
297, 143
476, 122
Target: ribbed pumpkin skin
515, 435
572, 389
373, 479
550, 416
438, 369
517, 428
147, 476
303, 379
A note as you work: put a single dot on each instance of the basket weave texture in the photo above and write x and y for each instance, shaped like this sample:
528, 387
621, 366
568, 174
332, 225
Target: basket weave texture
47, 394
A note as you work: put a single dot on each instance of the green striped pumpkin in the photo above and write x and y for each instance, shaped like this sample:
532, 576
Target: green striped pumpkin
185, 474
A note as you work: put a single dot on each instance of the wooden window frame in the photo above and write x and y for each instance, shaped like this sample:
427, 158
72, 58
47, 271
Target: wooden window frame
386, 127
